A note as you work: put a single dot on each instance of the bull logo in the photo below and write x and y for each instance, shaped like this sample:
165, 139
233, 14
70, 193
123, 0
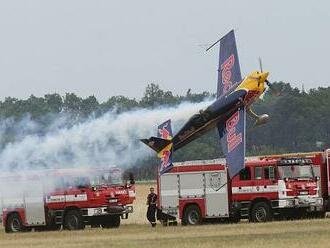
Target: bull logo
215, 181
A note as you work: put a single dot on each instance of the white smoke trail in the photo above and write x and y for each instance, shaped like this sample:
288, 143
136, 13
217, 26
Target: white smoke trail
112, 139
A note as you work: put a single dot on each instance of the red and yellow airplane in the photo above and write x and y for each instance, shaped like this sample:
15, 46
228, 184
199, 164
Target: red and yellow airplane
228, 113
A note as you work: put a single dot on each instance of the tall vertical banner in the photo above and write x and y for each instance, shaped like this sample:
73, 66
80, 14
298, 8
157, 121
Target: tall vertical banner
165, 132
233, 142
229, 72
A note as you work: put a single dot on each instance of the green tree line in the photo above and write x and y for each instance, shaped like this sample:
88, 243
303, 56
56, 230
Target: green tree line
299, 120
38, 107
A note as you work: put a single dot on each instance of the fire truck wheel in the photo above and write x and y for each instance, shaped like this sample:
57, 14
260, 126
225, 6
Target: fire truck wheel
112, 222
192, 216
261, 212
14, 224
73, 220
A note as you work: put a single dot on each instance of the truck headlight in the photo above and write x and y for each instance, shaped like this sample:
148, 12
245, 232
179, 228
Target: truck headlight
97, 211
319, 201
290, 203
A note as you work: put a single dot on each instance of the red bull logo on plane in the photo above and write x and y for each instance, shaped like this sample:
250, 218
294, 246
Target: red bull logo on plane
165, 155
165, 130
164, 133
165, 160
226, 73
233, 139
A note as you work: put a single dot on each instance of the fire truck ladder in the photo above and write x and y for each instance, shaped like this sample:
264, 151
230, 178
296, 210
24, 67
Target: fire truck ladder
59, 217
245, 209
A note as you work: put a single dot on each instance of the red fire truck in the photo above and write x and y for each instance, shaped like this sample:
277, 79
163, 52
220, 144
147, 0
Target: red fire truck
289, 185
68, 198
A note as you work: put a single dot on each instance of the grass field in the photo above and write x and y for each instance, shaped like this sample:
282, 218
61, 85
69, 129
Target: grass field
136, 233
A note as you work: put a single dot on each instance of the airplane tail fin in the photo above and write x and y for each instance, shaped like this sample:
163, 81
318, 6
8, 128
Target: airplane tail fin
162, 144
156, 144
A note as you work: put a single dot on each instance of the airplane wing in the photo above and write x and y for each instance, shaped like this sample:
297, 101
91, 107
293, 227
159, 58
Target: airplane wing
155, 143
229, 73
214, 115
233, 141
195, 127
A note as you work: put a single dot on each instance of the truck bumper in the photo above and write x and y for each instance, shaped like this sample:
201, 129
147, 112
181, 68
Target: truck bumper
311, 203
108, 210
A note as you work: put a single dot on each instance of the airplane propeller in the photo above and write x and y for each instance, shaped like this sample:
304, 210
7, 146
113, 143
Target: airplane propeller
260, 64
269, 84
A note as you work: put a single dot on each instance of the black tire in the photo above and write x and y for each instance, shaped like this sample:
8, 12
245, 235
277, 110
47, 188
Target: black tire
14, 224
261, 212
112, 222
192, 216
73, 220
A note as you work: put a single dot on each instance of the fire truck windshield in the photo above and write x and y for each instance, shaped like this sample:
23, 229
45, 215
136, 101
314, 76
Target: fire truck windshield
114, 177
92, 178
295, 171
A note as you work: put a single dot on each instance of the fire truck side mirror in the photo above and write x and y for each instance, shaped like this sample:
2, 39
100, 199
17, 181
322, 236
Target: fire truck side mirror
317, 178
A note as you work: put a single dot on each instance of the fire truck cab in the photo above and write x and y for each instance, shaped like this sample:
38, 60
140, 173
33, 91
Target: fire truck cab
194, 191
281, 187
71, 198
320, 162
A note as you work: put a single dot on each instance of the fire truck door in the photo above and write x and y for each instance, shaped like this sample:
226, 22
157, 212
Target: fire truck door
264, 183
216, 194
34, 204
169, 191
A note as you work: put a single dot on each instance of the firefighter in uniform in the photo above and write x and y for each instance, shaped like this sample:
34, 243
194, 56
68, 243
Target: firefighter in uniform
152, 208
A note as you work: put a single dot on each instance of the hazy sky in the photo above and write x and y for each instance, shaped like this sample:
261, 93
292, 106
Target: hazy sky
109, 47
